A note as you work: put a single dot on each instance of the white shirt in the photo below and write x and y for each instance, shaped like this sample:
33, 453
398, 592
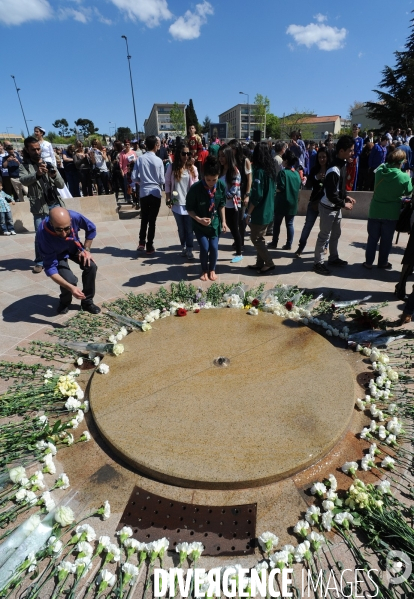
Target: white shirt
48, 154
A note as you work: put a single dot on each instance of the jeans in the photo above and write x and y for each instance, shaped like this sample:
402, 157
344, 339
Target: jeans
185, 229
150, 206
208, 251
310, 220
88, 280
37, 219
6, 222
329, 230
234, 220
382, 230
289, 228
257, 235
72, 178
126, 194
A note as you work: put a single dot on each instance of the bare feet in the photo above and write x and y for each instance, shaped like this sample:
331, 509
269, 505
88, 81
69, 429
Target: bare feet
204, 277
212, 276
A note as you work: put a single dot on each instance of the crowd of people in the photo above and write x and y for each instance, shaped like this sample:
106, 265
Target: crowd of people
243, 188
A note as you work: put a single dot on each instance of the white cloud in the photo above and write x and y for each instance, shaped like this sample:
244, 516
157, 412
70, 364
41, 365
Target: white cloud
323, 36
320, 18
82, 16
20, 11
150, 12
188, 26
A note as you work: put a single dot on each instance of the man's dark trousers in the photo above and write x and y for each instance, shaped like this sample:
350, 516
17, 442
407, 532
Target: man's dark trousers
150, 206
88, 280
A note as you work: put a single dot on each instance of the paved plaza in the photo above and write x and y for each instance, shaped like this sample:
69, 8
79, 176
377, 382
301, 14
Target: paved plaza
28, 301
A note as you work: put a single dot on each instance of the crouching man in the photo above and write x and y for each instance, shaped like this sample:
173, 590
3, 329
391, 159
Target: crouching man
58, 241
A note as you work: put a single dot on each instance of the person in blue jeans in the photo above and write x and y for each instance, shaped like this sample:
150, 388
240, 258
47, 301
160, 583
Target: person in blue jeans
205, 204
391, 184
315, 182
6, 218
179, 177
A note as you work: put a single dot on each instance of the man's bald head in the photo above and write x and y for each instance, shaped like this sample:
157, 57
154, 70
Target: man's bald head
59, 218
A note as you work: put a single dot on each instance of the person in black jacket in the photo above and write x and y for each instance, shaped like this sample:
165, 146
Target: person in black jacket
330, 208
315, 183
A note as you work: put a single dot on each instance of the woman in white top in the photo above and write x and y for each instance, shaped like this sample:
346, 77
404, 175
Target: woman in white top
48, 155
180, 176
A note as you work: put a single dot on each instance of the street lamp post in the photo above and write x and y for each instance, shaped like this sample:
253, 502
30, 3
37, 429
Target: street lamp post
111, 123
132, 86
21, 106
248, 108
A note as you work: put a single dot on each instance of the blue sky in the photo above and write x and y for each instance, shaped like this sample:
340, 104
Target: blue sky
69, 59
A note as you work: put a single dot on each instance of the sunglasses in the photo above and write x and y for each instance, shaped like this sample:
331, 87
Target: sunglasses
185, 153
61, 229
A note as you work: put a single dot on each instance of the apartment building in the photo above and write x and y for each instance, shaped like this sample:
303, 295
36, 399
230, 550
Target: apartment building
238, 121
159, 122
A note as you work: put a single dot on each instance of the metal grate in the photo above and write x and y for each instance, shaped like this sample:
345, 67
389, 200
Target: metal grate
223, 530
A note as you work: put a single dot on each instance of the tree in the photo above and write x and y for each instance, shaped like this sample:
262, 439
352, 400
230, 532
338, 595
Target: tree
123, 133
354, 106
296, 121
272, 126
395, 106
261, 109
191, 117
177, 119
205, 127
86, 127
63, 126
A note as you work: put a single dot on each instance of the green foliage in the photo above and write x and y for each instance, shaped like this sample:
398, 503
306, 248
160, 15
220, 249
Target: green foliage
295, 121
395, 104
273, 129
123, 133
261, 109
205, 127
63, 127
177, 119
57, 139
191, 117
86, 127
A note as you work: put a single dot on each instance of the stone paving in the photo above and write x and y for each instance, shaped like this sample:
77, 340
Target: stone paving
28, 300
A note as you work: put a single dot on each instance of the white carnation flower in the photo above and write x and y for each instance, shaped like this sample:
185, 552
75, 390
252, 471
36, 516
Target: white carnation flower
103, 368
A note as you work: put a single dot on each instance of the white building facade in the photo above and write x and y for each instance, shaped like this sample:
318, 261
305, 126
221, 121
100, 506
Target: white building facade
159, 121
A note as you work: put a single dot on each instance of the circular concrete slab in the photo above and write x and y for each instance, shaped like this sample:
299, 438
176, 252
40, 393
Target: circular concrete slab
280, 404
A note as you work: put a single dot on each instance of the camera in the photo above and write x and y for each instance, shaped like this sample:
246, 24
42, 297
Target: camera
50, 167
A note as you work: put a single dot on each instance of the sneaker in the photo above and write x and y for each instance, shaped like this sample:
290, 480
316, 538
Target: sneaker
190, 255
38, 268
183, 252
150, 250
237, 259
141, 247
6, 233
321, 269
337, 262
12, 232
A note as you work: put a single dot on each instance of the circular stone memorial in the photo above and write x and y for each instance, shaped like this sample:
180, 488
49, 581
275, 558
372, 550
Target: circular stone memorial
223, 400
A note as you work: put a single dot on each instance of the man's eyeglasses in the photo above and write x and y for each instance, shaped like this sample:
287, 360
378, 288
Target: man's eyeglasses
185, 153
61, 229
